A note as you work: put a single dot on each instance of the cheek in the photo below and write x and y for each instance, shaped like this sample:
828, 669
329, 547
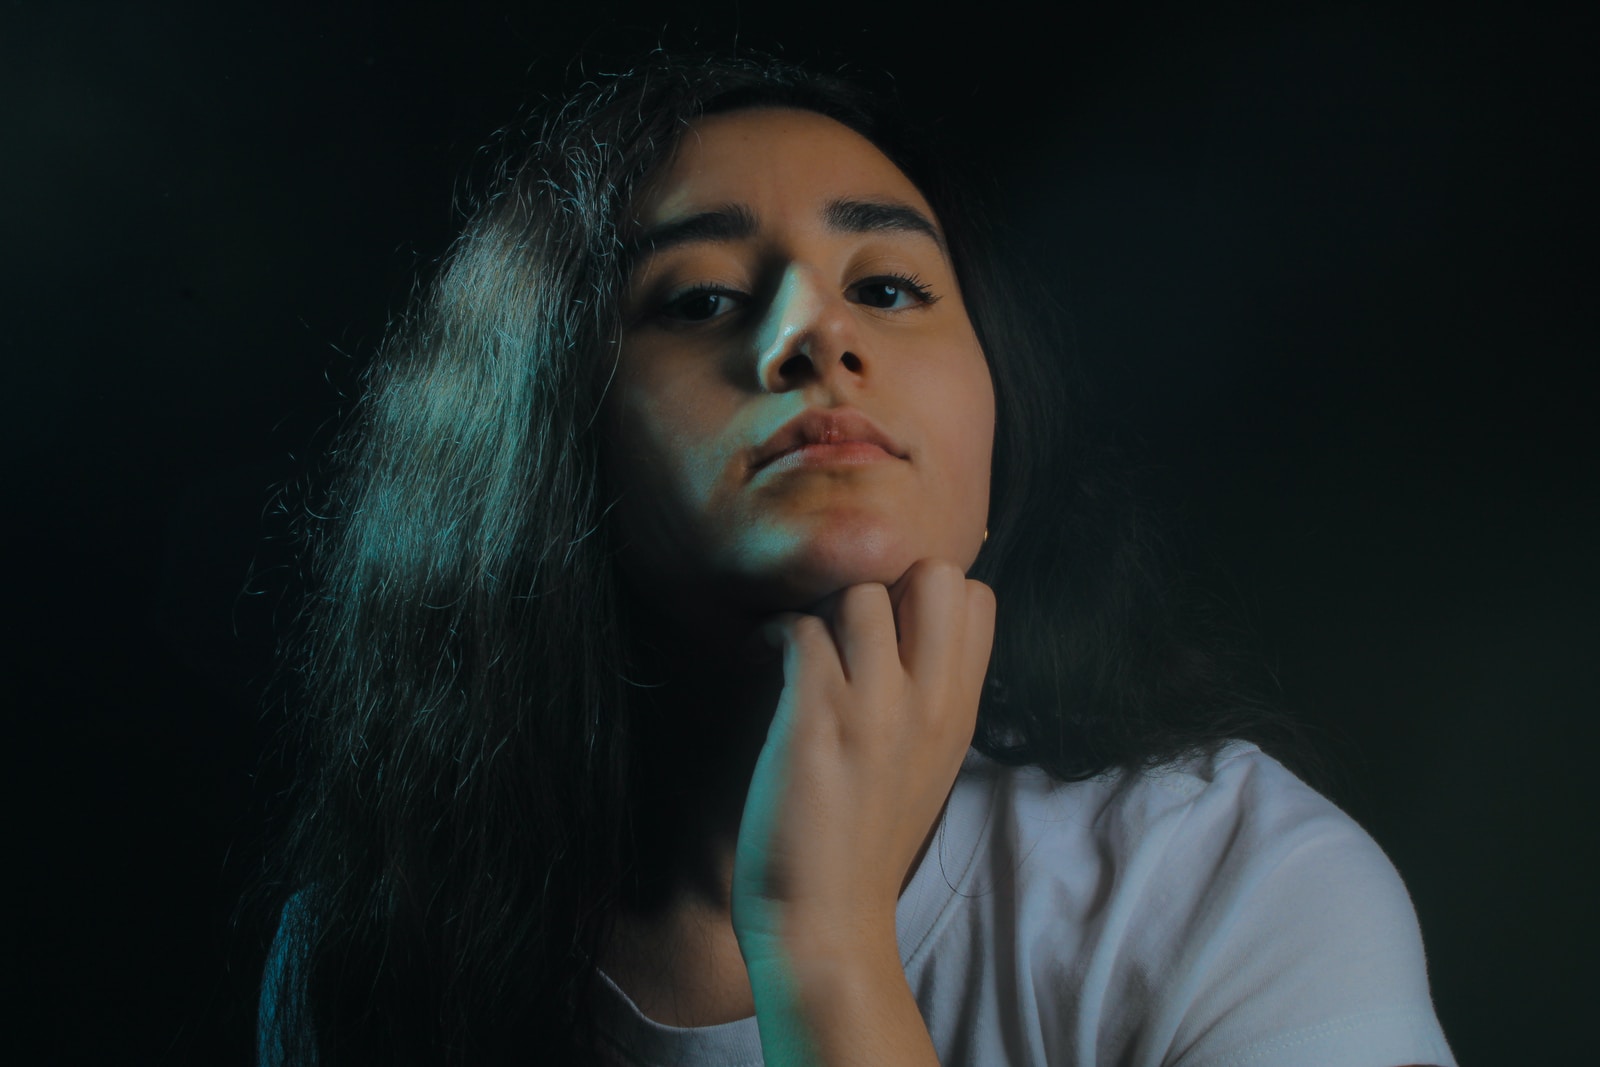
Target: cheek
969, 409
653, 517
670, 453
978, 432
677, 445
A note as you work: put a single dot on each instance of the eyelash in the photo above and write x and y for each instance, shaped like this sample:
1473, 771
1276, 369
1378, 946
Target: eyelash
908, 283
911, 283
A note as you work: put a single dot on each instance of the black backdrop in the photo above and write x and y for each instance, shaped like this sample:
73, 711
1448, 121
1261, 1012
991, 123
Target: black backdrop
1326, 262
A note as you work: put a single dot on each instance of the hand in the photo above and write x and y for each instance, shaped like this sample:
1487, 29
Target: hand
878, 708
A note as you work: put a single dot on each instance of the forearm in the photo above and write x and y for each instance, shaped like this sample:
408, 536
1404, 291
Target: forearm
835, 1009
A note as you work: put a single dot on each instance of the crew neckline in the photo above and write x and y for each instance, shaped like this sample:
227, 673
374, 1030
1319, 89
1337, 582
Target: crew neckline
938, 882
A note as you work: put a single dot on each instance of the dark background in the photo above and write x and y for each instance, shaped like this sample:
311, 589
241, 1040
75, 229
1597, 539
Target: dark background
1328, 263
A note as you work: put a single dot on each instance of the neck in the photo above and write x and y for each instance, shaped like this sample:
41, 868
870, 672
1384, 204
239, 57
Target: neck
698, 724
707, 694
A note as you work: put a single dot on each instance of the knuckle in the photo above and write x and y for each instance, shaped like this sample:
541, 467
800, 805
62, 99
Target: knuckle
934, 577
980, 595
864, 597
938, 569
808, 630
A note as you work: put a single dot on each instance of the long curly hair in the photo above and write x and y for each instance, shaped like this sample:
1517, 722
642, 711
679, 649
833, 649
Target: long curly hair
461, 828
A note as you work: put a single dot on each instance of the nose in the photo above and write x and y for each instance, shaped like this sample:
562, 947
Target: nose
806, 335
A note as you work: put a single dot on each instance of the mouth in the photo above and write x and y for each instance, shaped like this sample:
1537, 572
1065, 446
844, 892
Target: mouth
841, 436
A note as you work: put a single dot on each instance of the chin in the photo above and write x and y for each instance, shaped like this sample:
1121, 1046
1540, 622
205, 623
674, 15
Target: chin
808, 570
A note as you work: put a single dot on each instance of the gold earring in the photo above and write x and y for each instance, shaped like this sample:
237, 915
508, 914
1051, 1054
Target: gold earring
986, 535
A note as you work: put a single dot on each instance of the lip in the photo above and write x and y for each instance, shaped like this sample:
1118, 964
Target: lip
840, 431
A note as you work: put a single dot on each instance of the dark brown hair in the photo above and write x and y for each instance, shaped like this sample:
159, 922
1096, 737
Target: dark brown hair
461, 828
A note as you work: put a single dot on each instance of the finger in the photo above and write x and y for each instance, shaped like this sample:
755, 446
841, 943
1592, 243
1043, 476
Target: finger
931, 614
977, 642
807, 647
864, 630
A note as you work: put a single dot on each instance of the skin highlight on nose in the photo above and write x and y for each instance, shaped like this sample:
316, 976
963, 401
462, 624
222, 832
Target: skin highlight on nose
794, 310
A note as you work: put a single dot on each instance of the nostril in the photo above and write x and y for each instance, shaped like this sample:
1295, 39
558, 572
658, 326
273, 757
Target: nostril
794, 366
851, 363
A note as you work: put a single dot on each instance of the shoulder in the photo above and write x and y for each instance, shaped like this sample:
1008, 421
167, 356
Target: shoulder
1234, 820
1244, 830
1223, 902
1235, 805
1267, 868
1225, 847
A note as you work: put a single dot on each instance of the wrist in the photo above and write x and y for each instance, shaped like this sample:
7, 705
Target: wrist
818, 947
837, 1005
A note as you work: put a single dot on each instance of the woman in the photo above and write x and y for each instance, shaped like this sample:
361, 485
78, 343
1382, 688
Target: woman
656, 624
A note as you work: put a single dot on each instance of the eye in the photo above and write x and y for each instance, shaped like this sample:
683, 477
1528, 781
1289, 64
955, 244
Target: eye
700, 304
893, 293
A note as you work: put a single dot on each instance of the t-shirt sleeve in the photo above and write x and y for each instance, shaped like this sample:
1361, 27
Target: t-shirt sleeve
1300, 942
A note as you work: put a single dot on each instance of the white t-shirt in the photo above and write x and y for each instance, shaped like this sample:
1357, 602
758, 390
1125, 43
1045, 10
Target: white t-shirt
1216, 913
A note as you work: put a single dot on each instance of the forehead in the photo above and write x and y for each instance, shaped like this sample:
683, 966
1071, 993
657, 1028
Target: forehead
777, 161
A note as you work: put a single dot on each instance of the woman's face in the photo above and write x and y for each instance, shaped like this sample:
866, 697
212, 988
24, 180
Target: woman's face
800, 402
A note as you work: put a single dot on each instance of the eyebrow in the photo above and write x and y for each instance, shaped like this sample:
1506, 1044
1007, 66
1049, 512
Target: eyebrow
871, 216
732, 222
735, 222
